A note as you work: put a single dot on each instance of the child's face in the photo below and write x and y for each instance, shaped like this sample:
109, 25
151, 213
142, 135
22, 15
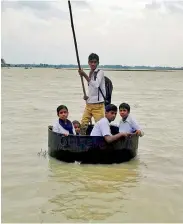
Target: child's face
123, 113
93, 64
77, 128
111, 115
63, 114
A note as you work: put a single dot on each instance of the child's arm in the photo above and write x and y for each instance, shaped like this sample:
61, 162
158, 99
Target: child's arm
137, 127
59, 129
55, 127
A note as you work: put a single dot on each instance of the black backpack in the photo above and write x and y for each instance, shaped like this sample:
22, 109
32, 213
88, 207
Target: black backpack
108, 88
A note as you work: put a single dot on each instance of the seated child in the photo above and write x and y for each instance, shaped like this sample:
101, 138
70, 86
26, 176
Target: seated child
128, 124
63, 125
102, 127
77, 127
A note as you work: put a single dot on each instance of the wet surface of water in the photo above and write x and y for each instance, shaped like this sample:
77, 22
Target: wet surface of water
40, 189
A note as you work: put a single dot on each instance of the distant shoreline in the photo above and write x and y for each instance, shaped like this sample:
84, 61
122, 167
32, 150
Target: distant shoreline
104, 69
112, 69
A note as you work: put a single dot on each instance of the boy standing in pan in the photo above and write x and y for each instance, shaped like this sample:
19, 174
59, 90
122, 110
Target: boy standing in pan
95, 101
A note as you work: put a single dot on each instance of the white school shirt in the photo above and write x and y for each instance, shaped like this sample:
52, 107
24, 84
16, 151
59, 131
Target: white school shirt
93, 87
129, 125
101, 128
59, 129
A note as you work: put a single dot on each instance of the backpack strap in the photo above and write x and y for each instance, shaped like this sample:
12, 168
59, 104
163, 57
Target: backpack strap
101, 93
99, 89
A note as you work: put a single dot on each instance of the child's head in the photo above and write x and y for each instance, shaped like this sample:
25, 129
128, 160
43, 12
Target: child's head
110, 112
93, 61
124, 110
62, 112
77, 126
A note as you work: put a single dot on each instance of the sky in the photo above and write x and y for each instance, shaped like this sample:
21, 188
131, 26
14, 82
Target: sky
133, 32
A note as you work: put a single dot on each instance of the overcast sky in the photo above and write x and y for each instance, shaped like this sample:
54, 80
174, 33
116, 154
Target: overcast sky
126, 32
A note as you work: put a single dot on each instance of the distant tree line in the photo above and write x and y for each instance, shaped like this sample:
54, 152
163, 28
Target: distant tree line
86, 66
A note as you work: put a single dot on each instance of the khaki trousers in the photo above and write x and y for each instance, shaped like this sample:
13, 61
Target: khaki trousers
95, 110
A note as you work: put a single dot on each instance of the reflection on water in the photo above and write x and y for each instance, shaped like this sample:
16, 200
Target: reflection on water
92, 192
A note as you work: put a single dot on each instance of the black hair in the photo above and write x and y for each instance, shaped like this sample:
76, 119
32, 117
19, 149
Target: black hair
61, 107
76, 122
93, 56
124, 106
111, 107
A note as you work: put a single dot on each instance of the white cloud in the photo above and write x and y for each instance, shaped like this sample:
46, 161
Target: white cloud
122, 32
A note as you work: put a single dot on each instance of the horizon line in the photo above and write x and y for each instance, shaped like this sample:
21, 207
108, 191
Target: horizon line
100, 65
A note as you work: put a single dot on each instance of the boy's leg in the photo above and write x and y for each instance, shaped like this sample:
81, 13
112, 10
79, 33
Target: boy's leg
98, 111
87, 115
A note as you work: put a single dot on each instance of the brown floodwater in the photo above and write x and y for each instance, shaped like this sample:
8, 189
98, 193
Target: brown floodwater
41, 189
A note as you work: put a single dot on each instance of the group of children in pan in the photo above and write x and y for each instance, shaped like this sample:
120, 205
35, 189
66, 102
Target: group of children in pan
95, 107
127, 125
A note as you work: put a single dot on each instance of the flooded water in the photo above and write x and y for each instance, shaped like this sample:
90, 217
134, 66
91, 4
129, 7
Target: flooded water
40, 189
